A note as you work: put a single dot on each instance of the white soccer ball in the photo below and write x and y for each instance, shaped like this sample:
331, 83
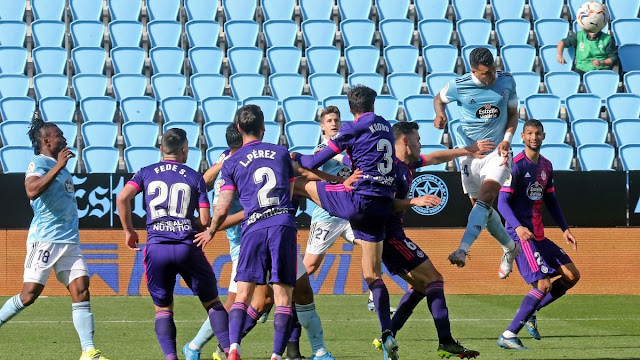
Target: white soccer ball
592, 16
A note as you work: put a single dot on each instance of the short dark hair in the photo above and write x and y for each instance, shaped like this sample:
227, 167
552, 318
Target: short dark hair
35, 131
404, 128
234, 138
250, 119
361, 99
330, 110
481, 56
534, 123
173, 140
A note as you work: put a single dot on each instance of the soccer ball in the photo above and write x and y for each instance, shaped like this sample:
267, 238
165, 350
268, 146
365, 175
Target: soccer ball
592, 16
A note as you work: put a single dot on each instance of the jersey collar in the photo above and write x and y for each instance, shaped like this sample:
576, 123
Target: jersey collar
476, 81
251, 143
361, 115
48, 157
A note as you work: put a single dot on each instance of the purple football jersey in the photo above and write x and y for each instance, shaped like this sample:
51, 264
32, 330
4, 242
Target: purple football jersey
262, 174
404, 178
172, 193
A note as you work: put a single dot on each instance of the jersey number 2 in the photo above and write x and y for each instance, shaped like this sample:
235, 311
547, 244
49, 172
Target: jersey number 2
263, 194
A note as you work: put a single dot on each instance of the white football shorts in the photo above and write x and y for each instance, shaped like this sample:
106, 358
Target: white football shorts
322, 235
65, 259
475, 171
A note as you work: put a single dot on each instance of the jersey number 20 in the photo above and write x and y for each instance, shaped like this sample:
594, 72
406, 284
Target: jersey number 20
179, 197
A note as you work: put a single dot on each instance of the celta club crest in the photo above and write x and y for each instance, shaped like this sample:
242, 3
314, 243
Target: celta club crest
429, 185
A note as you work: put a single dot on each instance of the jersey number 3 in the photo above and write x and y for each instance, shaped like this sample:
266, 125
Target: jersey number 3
387, 164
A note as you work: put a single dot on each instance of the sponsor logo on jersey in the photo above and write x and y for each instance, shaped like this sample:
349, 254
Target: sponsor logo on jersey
488, 111
429, 185
32, 166
534, 191
527, 175
68, 186
543, 175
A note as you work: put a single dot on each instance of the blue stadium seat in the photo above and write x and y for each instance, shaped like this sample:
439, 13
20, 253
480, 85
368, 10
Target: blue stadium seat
99, 133
623, 9
12, 85
548, 55
179, 108
429, 135
555, 130
630, 157
140, 133
194, 159
316, 10
542, 106
213, 153
167, 60
280, 32
14, 133
386, 106
87, 33
57, 108
371, 80
168, 85
436, 82
603, 83
268, 105
322, 59
629, 56
431, 9
88, 85
98, 109
206, 60
164, 33
300, 108
550, 31
513, 31
631, 82
47, 85
219, 109
469, 9
14, 10
138, 108
284, 85
15, 159
239, 9
401, 58
284, 59
435, 31
47, 33
47, 9
527, 83
466, 51
201, 9
428, 149
402, 85
215, 132
192, 129
562, 83
17, 108
507, 9
12, 59
202, 33
325, 85
89, 60
354, 9
124, 9
245, 59
246, 85
277, 9
302, 133
125, 33
589, 131
453, 126
546, 9
206, 85
271, 133
12, 32
626, 131
623, 106
126, 85
560, 155
357, 32
392, 9
518, 57
396, 32
49, 60
127, 60
86, 9
137, 157
596, 157
473, 31
453, 111
574, 5
241, 32
342, 103
517, 139
623, 30
582, 106
419, 107
440, 58
305, 150
318, 32
69, 131
362, 59
163, 9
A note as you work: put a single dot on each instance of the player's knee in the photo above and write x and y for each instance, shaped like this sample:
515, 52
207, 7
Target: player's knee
573, 276
263, 305
543, 286
28, 298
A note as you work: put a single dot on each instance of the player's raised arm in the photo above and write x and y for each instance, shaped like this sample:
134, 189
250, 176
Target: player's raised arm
335, 146
123, 202
512, 123
476, 149
212, 173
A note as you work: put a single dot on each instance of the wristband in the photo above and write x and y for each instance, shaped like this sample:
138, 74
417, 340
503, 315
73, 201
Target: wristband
508, 137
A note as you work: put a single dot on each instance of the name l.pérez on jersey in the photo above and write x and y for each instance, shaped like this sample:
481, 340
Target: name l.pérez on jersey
255, 154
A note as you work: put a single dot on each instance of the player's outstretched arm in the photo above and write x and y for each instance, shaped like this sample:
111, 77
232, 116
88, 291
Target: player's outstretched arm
315, 174
36, 185
212, 173
422, 201
441, 117
219, 215
476, 149
232, 220
123, 202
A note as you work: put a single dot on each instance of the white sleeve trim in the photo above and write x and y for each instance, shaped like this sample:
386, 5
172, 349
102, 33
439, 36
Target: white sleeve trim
28, 175
513, 103
443, 95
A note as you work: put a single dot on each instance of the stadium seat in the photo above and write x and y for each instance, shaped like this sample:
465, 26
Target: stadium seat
322, 59
623, 30
163, 9
89, 60
14, 133
168, 85
167, 60
206, 60
300, 108
206, 85
574, 5
246, 85
428, 149
164, 33
17, 108
435, 31
354, 9
392, 9
402, 85
49, 60
277, 9
268, 105
542, 106
271, 133
12, 59
239, 9
137, 157
431, 9
548, 56
630, 157
429, 135
623, 9
371, 80
201, 9
582, 106
280, 32
325, 85
440, 58
436, 82
215, 133
284, 59
202, 33
469, 9
315, 10
396, 32
126, 85
365, 59
241, 32
473, 31
99, 133
47, 85
15, 159
12, 32
87, 33
47, 9
127, 60
342, 103
302, 133
47, 33
245, 59
596, 157
86, 9
546, 9
623, 106
419, 107
213, 153
527, 83
453, 127
513, 31
555, 130
87, 85
550, 31
138, 108
219, 109
466, 51
14, 10
517, 139
124, 9
125, 33
387, 107
589, 131
518, 57
98, 109
507, 9
603, 83
179, 108
631, 82
357, 32
318, 32
140, 133
57, 108
560, 155
192, 129
626, 131
69, 131
629, 56
194, 159
12, 85
284, 85
562, 83
401, 58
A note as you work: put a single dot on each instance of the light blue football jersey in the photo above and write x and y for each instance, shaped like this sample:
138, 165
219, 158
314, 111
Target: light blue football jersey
332, 167
55, 211
233, 233
483, 108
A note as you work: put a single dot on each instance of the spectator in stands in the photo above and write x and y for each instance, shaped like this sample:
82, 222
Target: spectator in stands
594, 51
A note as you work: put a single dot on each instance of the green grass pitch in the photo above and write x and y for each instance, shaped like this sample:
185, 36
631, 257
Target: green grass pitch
576, 327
